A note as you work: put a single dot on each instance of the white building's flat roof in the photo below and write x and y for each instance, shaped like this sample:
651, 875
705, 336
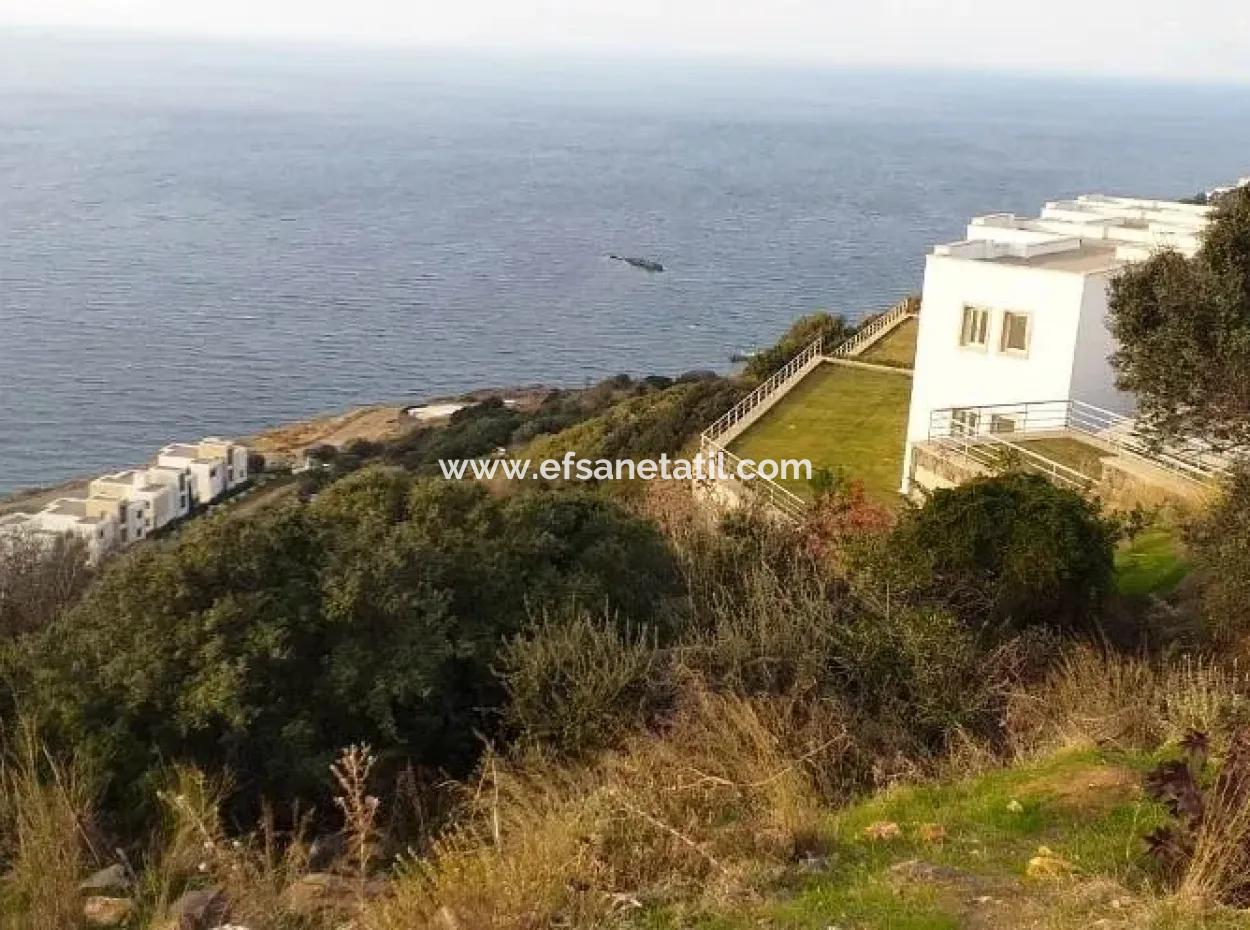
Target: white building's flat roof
1091, 234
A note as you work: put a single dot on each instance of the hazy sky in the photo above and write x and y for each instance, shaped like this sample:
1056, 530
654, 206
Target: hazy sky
1199, 40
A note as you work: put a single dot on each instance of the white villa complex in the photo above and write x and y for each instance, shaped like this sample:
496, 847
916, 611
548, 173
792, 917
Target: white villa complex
1013, 343
125, 507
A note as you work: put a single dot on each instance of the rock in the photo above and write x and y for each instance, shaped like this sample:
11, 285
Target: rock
1047, 866
882, 830
915, 870
199, 909
112, 878
102, 911
317, 891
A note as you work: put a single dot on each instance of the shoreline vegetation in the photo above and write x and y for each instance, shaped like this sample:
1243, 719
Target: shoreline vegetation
286, 442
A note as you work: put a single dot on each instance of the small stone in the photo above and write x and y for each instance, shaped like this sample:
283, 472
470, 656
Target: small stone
916, 870
112, 878
883, 830
199, 909
317, 891
1047, 866
102, 911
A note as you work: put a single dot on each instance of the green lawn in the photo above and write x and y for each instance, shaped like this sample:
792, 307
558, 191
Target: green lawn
848, 419
1077, 455
897, 349
1152, 562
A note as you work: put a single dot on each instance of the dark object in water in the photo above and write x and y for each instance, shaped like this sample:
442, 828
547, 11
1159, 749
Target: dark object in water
738, 357
644, 263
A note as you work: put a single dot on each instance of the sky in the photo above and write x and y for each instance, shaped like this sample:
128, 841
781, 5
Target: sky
1196, 40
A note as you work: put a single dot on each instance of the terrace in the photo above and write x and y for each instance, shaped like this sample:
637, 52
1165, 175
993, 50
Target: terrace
846, 418
1077, 445
843, 409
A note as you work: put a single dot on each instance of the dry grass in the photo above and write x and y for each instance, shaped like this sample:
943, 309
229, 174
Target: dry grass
45, 824
1098, 698
696, 812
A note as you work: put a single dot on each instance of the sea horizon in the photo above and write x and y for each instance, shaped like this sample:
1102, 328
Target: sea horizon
219, 241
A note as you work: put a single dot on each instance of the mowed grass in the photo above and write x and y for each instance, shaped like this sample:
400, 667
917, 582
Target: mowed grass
851, 420
897, 349
1079, 456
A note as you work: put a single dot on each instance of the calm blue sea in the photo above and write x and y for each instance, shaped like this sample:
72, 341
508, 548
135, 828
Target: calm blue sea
210, 239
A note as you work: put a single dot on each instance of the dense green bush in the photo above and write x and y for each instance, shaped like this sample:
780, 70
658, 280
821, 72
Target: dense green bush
578, 683
763, 621
1220, 545
1002, 553
833, 328
263, 644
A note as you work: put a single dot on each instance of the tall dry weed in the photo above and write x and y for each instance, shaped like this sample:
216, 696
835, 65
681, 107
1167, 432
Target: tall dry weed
45, 835
693, 810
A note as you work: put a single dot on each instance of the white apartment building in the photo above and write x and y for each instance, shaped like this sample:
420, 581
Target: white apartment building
154, 497
214, 466
96, 523
127, 506
1015, 313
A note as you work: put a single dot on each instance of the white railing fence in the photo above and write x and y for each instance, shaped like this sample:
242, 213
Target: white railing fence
868, 333
781, 380
994, 453
995, 426
785, 502
714, 439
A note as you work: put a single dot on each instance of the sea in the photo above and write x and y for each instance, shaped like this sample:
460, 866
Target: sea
211, 238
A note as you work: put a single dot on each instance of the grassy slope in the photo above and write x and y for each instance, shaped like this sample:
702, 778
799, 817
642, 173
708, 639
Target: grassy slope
1085, 807
897, 349
1152, 562
845, 418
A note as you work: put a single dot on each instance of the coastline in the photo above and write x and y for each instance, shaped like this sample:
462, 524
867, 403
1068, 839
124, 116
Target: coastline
284, 443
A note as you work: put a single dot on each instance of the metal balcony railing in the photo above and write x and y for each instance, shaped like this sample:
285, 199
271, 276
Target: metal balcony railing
995, 426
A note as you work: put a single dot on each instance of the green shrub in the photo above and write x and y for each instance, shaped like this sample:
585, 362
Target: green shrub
1003, 554
263, 644
802, 332
1220, 543
577, 683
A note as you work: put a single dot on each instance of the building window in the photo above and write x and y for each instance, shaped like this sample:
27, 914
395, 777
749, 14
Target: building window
965, 422
1015, 335
975, 329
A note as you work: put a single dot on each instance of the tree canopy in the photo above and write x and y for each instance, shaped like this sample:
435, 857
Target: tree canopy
1183, 328
263, 644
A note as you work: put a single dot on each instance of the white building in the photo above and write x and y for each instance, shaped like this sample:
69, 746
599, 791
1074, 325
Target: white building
1015, 314
127, 506
214, 466
97, 523
154, 497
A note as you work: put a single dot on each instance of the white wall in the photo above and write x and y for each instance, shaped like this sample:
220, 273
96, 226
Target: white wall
948, 375
1093, 381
